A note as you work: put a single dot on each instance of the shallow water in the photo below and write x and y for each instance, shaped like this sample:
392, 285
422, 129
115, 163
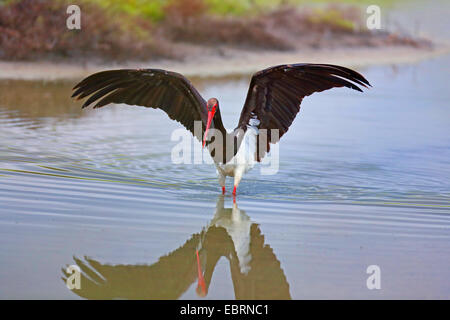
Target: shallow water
364, 179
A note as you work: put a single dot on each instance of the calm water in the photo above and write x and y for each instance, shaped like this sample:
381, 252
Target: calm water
364, 179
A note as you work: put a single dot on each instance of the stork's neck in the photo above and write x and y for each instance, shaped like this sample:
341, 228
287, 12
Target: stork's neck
218, 124
230, 140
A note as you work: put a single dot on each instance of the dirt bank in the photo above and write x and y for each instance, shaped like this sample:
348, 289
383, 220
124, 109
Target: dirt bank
229, 62
193, 42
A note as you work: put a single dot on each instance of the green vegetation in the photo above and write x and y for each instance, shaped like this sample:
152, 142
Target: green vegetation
240, 7
155, 10
152, 29
332, 17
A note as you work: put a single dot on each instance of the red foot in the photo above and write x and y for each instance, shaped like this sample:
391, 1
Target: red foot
223, 190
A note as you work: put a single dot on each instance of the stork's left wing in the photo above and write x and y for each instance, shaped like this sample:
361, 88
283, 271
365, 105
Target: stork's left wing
275, 94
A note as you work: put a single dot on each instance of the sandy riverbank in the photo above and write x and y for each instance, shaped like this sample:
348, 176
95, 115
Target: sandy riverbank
231, 62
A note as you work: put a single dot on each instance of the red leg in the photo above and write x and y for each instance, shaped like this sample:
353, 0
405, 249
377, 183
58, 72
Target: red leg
234, 191
223, 190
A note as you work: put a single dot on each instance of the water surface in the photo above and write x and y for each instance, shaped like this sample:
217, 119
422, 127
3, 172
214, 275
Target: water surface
364, 179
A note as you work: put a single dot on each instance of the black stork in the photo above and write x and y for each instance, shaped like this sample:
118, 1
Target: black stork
273, 101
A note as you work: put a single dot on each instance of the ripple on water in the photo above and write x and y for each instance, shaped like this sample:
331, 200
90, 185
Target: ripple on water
351, 176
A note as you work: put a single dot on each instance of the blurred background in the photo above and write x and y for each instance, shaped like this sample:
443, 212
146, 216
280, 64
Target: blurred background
114, 30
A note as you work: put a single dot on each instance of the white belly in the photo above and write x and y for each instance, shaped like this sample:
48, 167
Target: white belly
244, 159
238, 227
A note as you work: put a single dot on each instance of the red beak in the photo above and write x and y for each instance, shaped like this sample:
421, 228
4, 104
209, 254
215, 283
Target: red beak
201, 286
208, 124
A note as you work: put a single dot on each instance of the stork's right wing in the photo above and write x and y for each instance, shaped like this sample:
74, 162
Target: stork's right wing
154, 88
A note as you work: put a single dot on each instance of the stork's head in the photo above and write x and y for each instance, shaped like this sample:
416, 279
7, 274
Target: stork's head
211, 106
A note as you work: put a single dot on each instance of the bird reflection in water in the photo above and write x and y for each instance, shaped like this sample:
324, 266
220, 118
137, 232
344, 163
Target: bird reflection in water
255, 271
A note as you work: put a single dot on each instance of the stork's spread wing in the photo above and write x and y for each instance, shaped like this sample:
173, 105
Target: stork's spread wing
152, 88
168, 278
275, 94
